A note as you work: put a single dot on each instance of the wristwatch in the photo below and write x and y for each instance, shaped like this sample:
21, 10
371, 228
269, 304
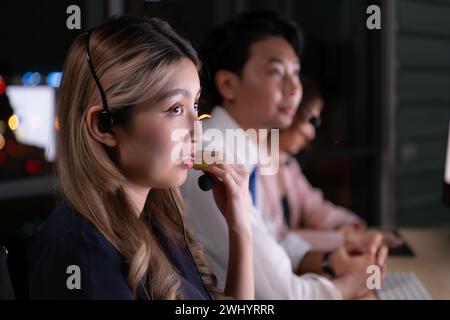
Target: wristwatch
326, 268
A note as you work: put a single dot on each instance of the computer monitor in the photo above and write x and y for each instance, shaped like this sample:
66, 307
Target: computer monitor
447, 171
35, 108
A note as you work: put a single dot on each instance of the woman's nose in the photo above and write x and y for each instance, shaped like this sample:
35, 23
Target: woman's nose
195, 127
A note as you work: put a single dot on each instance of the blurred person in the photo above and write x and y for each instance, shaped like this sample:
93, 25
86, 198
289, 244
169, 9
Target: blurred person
294, 206
253, 66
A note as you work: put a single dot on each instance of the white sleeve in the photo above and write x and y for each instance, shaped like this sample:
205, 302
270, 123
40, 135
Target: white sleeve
295, 247
274, 278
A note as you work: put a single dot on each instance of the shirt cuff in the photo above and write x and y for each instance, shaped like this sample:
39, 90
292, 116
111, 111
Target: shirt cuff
295, 247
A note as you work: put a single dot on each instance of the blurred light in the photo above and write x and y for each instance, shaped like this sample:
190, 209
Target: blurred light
2, 85
35, 122
26, 78
33, 167
56, 123
54, 79
31, 79
2, 157
2, 127
35, 79
11, 146
2, 142
204, 116
19, 134
13, 122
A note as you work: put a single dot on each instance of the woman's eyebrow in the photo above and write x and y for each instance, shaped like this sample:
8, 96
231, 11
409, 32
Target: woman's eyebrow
178, 91
199, 93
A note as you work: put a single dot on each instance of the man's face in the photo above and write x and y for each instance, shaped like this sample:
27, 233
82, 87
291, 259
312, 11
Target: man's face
268, 91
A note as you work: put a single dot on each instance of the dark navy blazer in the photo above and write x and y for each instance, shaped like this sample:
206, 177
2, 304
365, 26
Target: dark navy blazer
68, 239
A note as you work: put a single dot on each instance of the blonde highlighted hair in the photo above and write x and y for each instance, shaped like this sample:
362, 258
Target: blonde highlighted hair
131, 56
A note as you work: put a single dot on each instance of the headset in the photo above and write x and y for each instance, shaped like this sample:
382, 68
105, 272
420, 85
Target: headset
106, 122
316, 122
106, 118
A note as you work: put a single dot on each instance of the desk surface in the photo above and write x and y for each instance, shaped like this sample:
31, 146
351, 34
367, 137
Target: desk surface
432, 260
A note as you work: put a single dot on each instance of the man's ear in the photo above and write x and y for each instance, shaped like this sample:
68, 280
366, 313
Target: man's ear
227, 83
93, 126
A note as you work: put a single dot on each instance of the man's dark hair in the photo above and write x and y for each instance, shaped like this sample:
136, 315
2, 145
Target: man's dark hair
228, 45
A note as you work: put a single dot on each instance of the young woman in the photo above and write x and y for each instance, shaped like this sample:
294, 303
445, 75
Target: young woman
118, 233
296, 206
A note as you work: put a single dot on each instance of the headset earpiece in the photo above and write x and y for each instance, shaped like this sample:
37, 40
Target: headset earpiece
316, 122
106, 120
105, 117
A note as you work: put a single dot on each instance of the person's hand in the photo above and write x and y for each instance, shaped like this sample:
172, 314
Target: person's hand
358, 225
341, 260
231, 194
363, 242
391, 240
351, 271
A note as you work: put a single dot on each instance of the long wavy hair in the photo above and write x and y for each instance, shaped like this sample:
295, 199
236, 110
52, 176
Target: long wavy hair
131, 56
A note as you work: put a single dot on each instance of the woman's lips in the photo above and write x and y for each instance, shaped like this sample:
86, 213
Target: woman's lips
187, 161
289, 110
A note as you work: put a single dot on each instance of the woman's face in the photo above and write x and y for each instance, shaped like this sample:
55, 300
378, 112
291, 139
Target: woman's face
144, 148
301, 133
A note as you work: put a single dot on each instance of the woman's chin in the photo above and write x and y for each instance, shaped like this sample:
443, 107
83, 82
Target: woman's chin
179, 176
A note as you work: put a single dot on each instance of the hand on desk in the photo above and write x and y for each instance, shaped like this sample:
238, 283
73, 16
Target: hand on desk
359, 240
391, 240
362, 248
351, 270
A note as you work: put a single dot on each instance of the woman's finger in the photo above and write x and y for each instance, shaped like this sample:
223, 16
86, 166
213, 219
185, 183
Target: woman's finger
382, 255
238, 172
223, 175
374, 241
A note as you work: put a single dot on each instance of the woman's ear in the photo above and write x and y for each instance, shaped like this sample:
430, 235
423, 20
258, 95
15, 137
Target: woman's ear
93, 126
227, 83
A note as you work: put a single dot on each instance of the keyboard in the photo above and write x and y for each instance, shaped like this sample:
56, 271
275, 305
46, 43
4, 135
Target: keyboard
403, 286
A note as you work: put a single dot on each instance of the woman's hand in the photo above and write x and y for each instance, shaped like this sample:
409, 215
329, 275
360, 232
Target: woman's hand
232, 197
363, 242
231, 194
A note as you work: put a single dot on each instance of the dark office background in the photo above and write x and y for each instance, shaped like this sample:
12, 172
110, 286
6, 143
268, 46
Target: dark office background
381, 149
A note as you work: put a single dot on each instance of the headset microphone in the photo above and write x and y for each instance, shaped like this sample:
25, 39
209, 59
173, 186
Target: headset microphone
206, 181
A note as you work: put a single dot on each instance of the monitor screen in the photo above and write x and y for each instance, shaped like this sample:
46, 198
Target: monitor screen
35, 107
447, 171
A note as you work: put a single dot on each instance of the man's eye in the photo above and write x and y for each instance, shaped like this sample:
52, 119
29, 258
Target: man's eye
275, 72
176, 110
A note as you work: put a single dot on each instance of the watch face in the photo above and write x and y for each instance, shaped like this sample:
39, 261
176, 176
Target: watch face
326, 265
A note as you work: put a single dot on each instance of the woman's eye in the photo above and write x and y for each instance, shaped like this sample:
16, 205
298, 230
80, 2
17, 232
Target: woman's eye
196, 105
175, 110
